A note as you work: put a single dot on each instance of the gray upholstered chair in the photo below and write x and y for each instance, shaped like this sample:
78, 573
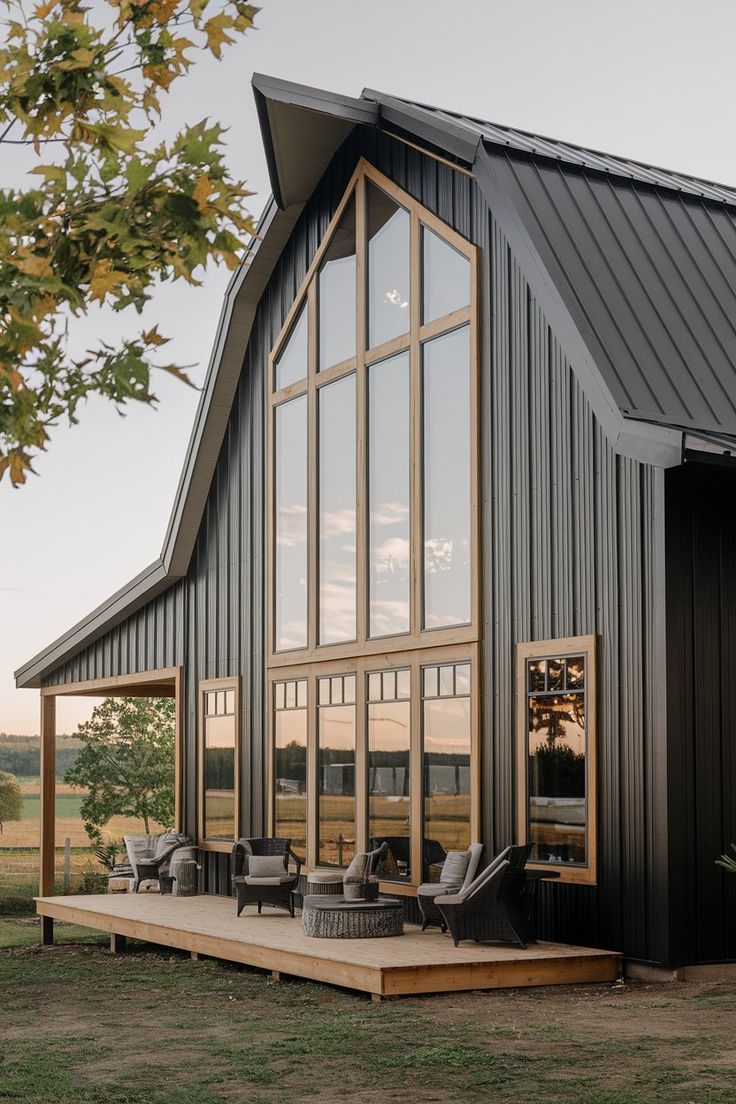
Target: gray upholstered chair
457, 872
261, 873
150, 856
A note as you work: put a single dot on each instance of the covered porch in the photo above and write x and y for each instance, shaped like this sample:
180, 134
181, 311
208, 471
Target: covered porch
414, 963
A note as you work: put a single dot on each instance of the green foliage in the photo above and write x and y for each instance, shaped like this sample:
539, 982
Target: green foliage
728, 862
11, 799
107, 853
21, 755
116, 212
127, 762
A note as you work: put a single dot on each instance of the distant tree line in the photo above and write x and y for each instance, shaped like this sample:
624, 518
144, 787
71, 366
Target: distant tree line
21, 755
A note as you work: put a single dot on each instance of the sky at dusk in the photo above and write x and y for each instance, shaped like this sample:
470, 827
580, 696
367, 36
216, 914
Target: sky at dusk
653, 81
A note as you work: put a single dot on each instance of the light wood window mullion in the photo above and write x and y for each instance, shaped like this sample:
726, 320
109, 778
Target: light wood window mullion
416, 430
312, 490
361, 520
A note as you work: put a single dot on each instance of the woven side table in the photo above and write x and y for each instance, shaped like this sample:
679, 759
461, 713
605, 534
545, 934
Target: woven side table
328, 917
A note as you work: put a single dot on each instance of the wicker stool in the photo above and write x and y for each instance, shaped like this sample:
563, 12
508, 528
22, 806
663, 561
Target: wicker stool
186, 875
324, 882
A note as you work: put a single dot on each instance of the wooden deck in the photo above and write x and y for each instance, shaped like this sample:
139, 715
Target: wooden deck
413, 963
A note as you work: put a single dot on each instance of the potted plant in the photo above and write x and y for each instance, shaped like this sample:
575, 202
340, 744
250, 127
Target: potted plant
728, 862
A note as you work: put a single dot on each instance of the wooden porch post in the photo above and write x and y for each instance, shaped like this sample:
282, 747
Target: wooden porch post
48, 808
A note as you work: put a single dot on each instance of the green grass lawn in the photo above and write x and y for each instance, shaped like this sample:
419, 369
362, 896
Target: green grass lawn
80, 1026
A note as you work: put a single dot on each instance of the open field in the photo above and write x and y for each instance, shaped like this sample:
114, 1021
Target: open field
24, 832
77, 1027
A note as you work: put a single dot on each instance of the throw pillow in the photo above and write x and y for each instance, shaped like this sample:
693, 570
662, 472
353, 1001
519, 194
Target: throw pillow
454, 868
266, 866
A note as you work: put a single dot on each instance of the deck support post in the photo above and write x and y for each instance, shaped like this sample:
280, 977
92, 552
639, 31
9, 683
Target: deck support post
118, 943
48, 809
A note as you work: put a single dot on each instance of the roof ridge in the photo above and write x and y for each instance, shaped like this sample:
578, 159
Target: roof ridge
615, 164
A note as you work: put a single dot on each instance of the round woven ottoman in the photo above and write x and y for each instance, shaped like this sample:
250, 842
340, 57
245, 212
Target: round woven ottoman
325, 917
326, 882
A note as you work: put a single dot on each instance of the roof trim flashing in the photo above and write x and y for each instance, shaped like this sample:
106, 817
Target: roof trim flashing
453, 137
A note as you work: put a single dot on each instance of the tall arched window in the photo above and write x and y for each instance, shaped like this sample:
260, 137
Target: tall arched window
373, 541
373, 441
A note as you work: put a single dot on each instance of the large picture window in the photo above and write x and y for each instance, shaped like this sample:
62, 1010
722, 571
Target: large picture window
218, 761
556, 755
364, 753
290, 762
373, 428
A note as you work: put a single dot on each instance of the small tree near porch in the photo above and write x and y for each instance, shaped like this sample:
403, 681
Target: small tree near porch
127, 762
11, 799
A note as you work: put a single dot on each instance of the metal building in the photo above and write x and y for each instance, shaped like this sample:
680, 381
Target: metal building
457, 504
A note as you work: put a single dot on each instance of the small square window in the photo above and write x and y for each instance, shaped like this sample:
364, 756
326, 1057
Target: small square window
447, 682
389, 685
374, 686
403, 685
279, 695
336, 691
301, 694
348, 689
324, 691
290, 695
430, 682
537, 669
220, 708
576, 673
229, 701
462, 678
556, 674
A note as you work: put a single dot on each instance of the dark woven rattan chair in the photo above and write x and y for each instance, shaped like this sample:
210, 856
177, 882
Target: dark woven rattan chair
428, 892
493, 908
274, 887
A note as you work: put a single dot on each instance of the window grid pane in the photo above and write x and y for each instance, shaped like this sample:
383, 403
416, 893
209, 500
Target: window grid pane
557, 760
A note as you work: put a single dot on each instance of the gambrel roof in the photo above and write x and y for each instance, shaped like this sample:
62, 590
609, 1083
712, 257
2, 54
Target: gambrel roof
635, 267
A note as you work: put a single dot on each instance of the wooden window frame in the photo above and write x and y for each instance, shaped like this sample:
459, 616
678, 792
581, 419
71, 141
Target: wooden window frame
361, 666
550, 649
412, 341
204, 687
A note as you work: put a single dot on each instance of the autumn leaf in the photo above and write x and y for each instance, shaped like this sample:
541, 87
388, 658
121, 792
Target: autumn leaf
105, 279
202, 190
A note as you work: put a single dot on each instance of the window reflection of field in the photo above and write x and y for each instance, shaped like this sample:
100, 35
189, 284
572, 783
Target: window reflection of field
447, 820
291, 820
336, 829
219, 814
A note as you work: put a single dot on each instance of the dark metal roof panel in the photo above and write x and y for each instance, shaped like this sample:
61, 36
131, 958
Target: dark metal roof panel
557, 150
649, 277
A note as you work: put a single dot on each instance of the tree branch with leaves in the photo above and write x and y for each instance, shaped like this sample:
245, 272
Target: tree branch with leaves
127, 763
116, 211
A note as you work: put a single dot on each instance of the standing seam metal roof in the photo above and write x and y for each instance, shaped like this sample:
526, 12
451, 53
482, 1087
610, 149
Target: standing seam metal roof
644, 261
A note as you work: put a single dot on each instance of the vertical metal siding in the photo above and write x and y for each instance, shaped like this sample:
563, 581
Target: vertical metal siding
567, 548
701, 600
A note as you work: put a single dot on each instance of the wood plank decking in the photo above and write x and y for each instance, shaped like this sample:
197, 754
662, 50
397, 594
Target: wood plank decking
413, 963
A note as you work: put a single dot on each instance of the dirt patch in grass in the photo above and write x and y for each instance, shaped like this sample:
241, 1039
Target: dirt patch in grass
80, 1026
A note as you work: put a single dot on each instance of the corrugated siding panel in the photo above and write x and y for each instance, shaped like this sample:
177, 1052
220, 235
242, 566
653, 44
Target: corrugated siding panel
701, 600
563, 524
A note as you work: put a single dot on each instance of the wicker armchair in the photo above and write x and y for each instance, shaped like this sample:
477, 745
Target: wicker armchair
150, 856
493, 907
428, 892
261, 873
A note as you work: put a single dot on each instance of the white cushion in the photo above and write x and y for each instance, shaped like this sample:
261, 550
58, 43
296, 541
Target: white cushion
325, 877
268, 881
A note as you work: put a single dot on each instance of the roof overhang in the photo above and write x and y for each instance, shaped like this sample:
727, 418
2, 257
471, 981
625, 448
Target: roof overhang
302, 130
